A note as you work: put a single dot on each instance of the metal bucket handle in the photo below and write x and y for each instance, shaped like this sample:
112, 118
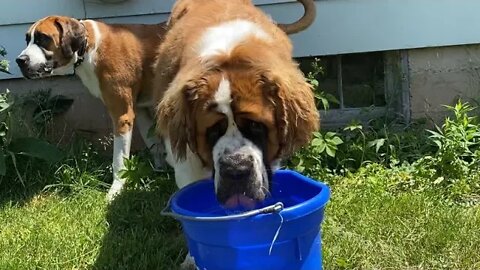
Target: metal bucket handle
275, 208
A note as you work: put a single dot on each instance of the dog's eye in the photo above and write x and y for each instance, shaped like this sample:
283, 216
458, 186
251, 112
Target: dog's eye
42, 40
253, 129
27, 38
216, 131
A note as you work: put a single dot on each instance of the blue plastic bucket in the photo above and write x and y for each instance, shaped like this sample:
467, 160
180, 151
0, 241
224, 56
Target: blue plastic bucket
273, 237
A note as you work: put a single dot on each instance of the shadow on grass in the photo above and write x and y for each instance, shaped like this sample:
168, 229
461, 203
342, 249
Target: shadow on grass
138, 236
18, 192
27, 177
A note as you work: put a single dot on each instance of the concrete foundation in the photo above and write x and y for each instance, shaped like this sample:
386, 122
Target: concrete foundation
440, 76
87, 117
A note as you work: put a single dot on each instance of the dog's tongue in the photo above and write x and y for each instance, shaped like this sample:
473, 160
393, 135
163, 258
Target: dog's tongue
239, 200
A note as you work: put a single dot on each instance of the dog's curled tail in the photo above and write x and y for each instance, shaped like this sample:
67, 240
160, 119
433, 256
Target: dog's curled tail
304, 22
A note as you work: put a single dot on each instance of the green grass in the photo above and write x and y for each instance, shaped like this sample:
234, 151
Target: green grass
81, 231
409, 231
366, 227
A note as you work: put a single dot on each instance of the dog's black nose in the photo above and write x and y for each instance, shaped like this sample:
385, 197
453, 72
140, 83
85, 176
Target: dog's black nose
22, 60
236, 166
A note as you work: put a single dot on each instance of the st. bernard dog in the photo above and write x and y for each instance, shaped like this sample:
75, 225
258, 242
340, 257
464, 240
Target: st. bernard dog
231, 101
114, 61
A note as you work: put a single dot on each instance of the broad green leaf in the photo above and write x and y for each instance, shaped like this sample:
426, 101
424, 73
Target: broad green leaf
337, 140
314, 82
380, 143
325, 103
438, 143
332, 98
331, 150
321, 148
36, 148
377, 143
330, 135
318, 142
354, 126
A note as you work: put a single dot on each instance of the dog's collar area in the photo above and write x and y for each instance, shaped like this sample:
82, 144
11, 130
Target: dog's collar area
83, 48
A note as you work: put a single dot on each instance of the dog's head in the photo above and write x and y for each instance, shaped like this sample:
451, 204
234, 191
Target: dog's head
240, 116
54, 44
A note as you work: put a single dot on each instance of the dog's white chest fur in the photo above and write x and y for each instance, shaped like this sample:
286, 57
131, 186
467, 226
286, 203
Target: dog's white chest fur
86, 71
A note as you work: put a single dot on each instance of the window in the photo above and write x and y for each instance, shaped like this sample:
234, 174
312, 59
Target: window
363, 84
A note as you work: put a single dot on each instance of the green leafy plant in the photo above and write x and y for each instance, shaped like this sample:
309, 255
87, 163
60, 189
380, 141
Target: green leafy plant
458, 138
44, 107
322, 98
13, 148
138, 172
3, 62
455, 166
326, 143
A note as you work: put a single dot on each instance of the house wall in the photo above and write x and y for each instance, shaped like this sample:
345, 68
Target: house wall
439, 76
436, 74
341, 26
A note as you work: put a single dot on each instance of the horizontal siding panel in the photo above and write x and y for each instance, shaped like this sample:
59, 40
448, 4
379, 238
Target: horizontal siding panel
341, 26
99, 9
350, 26
149, 19
28, 11
14, 44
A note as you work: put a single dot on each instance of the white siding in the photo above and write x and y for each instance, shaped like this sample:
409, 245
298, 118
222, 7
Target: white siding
347, 26
342, 26
27, 11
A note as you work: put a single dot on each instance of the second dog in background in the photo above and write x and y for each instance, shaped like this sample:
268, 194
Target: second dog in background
114, 61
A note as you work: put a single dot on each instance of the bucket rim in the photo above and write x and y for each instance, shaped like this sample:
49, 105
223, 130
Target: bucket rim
299, 210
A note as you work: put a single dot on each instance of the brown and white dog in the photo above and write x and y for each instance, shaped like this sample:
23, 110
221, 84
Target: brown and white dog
231, 102
114, 61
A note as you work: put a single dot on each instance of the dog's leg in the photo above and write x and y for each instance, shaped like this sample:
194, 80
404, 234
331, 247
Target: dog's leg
122, 114
188, 263
186, 171
144, 123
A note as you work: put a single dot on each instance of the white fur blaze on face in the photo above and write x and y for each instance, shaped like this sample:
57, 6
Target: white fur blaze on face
233, 141
223, 38
33, 51
121, 150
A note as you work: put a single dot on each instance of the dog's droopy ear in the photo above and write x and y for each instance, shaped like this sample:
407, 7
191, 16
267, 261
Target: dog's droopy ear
175, 117
72, 36
296, 114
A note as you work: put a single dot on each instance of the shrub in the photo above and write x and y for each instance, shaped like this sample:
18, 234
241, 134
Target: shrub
11, 148
446, 160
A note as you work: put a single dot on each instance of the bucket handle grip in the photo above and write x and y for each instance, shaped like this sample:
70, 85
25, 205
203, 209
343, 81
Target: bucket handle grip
275, 208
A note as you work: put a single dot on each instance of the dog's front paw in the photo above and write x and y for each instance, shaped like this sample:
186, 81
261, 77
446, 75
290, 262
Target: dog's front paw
188, 263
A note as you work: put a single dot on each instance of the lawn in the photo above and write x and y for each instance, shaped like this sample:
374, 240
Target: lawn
366, 227
402, 198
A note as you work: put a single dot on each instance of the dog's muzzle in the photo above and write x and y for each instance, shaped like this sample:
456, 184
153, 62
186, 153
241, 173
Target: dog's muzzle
240, 183
32, 72
236, 167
